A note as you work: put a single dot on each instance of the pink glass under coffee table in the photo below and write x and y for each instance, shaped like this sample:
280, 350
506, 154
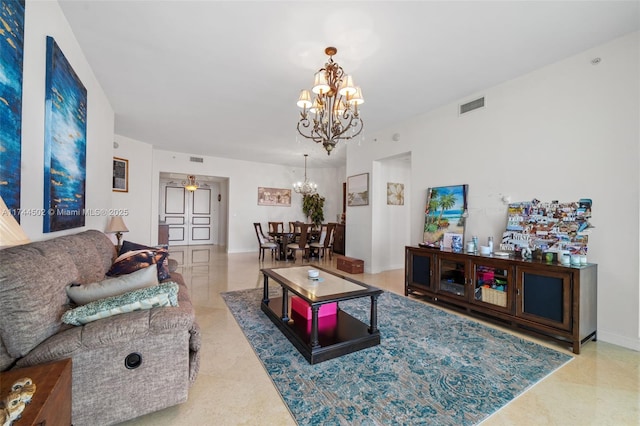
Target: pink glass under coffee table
328, 336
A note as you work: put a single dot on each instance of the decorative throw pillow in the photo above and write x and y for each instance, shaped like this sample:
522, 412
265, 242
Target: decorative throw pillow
81, 294
161, 254
131, 262
165, 294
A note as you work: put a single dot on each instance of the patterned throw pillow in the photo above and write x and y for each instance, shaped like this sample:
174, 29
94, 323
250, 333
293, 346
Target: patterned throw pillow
81, 294
165, 294
161, 255
132, 261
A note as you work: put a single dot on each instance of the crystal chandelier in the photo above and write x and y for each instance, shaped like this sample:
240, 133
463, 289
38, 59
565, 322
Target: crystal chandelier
334, 109
306, 187
191, 184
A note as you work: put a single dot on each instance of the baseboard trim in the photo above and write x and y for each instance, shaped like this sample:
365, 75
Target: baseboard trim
615, 339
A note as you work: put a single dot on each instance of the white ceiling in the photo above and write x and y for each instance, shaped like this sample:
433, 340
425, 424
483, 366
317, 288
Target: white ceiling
221, 78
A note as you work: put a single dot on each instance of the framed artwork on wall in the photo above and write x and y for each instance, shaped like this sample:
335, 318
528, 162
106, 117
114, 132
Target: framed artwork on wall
445, 215
358, 190
11, 63
120, 175
395, 194
274, 197
65, 143
548, 226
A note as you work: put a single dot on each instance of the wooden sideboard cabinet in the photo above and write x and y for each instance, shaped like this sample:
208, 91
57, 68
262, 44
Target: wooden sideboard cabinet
51, 403
545, 299
339, 239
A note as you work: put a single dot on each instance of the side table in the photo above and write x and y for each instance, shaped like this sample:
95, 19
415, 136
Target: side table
51, 404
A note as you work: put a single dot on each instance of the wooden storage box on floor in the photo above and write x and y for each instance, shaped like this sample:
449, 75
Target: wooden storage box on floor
350, 265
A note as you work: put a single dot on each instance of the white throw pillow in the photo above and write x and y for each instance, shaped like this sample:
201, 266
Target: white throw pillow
81, 294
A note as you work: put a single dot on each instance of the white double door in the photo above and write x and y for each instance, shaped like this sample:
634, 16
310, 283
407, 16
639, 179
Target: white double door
192, 216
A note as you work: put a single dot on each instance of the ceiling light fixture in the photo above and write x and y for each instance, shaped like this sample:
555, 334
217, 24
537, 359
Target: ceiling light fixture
334, 109
306, 187
191, 184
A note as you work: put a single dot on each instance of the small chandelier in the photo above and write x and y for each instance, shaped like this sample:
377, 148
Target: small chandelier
191, 184
306, 187
334, 109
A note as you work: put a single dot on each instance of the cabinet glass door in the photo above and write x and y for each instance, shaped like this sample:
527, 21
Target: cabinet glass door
452, 277
418, 271
421, 270
492, 285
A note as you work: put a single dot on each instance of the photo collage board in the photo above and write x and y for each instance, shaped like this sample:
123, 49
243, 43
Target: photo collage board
548, 226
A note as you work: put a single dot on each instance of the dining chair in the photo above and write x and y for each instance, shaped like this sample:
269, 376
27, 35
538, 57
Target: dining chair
275, 227
264, 242
325, 242
301, 244
294, 227
294, 230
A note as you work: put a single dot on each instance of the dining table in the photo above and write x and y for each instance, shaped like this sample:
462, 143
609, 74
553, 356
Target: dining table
285, 238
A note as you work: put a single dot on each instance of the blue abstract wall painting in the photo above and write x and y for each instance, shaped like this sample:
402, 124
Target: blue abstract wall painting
65, 144
11, 60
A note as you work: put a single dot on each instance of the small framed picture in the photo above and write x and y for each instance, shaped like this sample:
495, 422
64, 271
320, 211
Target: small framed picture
395, 194
358, 190
120, 175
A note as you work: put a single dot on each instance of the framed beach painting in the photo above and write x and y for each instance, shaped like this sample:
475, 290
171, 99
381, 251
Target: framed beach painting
65, 144
120, 175
358, 190
445, 213
11, 64
274, 197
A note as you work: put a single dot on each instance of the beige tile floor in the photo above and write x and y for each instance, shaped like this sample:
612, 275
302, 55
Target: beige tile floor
601, 386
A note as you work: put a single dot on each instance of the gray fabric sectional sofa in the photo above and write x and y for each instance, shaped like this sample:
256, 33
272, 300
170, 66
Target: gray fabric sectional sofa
33, 278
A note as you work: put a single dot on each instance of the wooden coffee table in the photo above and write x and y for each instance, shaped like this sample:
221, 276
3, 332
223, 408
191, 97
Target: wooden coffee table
326, 337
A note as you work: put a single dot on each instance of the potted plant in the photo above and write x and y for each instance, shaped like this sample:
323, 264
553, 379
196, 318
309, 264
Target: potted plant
313, 208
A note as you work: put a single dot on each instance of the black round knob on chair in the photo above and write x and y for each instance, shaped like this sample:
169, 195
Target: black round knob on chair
133, 361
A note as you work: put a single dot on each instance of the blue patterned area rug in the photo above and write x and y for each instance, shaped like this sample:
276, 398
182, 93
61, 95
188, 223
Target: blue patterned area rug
431, 367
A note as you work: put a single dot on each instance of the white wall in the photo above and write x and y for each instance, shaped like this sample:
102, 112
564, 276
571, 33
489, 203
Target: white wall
340, 174
393, 221
239, 206
44, 19
138, 199
564, 132
244, 179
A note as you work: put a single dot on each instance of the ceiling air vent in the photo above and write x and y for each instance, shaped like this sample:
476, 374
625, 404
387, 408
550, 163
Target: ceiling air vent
470, 106
196, 159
